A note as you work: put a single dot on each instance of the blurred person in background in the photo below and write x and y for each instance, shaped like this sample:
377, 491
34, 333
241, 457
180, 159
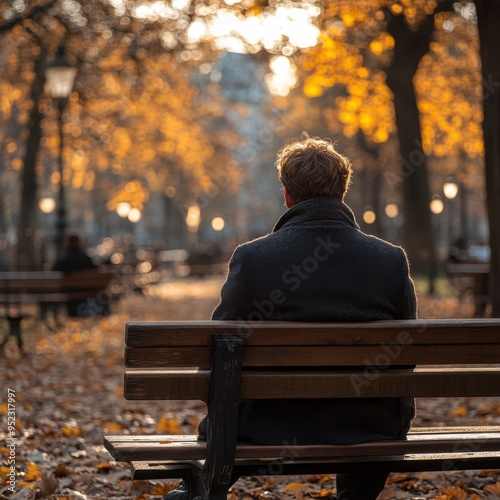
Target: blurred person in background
73, 257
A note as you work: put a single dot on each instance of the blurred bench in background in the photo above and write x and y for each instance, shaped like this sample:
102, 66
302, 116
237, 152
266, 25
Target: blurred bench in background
25, 294
471, 277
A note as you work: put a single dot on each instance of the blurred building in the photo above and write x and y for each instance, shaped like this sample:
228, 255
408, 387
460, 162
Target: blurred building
259, 201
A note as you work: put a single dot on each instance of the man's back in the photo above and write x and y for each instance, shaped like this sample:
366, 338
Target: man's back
73, 259
318, 266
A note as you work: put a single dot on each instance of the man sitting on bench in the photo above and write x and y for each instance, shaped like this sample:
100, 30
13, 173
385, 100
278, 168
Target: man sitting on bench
73, 257
317, 265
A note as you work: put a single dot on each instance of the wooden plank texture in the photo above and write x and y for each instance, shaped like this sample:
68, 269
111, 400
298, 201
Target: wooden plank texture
420, 382
88, 279
33, 298
168, 384
390, 463
468, 268
168, 357
40, 282
29, 282
319, 355
199, 333
164, 470
425, 432
158, 448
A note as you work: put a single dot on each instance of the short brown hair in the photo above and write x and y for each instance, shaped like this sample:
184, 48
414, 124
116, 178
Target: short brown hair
312, 168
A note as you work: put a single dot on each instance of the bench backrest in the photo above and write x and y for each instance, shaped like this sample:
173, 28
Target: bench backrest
35, 281
299, 360
42, 286
87, 279
29, 282
470, 268
83, 284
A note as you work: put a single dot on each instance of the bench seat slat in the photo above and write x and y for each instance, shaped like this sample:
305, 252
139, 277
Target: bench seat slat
389, 463
200, 333
428, 432
170, 449
321, 355
420, 382
162, 470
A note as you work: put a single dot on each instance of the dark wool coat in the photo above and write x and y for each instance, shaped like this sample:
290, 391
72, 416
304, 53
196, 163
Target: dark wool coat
73, 259
317, 265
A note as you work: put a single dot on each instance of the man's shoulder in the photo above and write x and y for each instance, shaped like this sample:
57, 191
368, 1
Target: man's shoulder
387, 245
257, 243
385, 248
257, 250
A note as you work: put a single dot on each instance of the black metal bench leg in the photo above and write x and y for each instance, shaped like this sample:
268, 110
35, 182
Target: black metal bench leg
222, 424
15, 329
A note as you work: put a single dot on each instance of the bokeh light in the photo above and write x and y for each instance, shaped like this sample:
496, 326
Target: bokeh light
218, 223
123, 209
135, 215
450, 189
47, 204
193, 218
369, 216
436, 205
391, 210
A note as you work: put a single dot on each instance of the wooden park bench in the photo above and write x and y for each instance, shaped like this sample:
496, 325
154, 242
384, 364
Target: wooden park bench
474, 278
95, 289
223, 362
22, 293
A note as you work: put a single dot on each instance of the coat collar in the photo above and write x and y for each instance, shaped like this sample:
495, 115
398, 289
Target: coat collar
316, 209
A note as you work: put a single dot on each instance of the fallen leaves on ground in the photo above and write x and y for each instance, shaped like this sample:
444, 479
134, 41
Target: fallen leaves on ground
69, 393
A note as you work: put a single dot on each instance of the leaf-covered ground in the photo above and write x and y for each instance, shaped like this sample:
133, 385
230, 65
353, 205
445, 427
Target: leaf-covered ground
68, 394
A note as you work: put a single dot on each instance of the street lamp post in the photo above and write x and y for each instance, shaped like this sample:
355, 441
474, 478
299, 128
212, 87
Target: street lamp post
60, 76
450, 190
392, 211
193, 220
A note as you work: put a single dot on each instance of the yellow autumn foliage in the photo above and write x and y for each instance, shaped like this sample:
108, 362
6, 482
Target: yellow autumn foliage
129, 113
447, 83
168, 425
33, 472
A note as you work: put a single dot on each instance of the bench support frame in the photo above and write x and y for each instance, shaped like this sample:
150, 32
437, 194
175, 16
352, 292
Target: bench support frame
214, 482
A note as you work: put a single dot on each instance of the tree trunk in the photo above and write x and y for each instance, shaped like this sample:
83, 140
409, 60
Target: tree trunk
3, 222
418, 237
488, 12
27, 219
417, 230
